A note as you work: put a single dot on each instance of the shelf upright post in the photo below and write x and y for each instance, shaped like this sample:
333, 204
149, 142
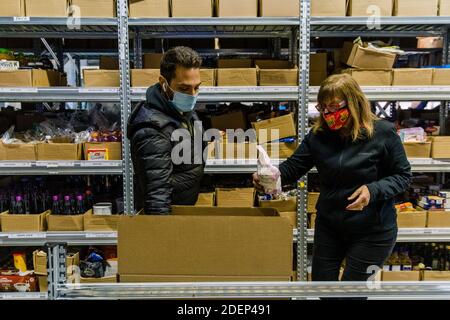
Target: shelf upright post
305, 39
137, 50
445, 105
56, 268
125, 99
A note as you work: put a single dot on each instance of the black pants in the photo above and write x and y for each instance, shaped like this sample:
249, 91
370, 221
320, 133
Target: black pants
360, 251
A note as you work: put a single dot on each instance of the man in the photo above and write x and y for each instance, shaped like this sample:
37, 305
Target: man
169, 106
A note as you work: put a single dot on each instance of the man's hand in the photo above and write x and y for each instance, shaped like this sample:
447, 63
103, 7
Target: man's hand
256, 182
362, 196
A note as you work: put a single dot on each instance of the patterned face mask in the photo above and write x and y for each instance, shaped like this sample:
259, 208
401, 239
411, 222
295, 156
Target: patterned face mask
336, 120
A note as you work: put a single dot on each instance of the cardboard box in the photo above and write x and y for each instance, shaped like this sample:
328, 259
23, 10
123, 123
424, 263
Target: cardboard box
237, 8
368, 77
413, 219
444, 8
192, 8
46, 8
96, 9
237, 77
30, 78
441, 77
360, 8
109, 63
43, 283
275, 128
438, 219
318, 68
329, 8
10, 282
23, 222
282, 150
58, 151
232, 120
436, 275
101, 78
276, 73
412, 77
149, 8
132, 278
144, 77
416, 8
288, 205
401, 276
206, 200
201, 241
111, 279
152, 60
291, 217
430, 42
40, 262
12, 8
317, 77
312, 221
235, 197
229, 151
65, 223
272, 8
234, 63
100, 223
366, 58
113, 150
440, 148
417, 149
208, 77
313, 197
20, 151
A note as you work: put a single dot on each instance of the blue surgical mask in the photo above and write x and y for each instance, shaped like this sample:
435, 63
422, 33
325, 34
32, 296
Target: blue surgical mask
183, 102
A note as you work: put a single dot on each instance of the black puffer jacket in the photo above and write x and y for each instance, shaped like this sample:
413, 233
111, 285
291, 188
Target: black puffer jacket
160, 182
343, 166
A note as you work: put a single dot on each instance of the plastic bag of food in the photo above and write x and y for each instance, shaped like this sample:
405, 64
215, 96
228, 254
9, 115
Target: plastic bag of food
269, 175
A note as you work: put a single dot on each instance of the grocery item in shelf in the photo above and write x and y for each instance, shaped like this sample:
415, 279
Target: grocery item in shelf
46, 8
12, 8
368, 77
152, 60
144, 77
412, 77
330, 8
234, 63
102, 150
275, 128
394, 276
441, 77
95, 9
12, 281
360, 8
236, 8
192, 8
237, 77
272, 8
23, 222
206, 200
235, 197
101, 78
369, 58
440, 148
149, 8
30, 78
208, 77
432, 202
276, 73
416, 8
416, 134
20, 261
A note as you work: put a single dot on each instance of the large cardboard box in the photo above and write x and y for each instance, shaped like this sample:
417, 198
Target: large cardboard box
287, 205
12, 8
276, 73
235, 197
291, 217
329, 8
430, 42
96, 9
40, 262
413, 219
280, 150
272, 8
444, 8
19, 151
416, 8
149, 8
152, 60
108, 150
360, 8
438, 219
65, 223
232, 150
440, 148
46, 8
417, 149
23, 222
206, 200
317, 77
275, 128
192, 8
232, 120
366, 77
30, 78
144, 77
318, 68
109, 63
101, 78
170, 278
100, 223
366, 58
208, 77
237, 77
436, 275
412, 77
201, 241
58, 151
313, 197
441, 77
43, 283
237, 8
234, 63
401, 276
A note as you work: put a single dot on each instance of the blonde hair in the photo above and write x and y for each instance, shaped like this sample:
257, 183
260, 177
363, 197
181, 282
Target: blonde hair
345, 87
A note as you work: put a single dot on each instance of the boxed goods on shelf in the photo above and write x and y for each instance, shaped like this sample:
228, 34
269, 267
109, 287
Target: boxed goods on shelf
11, 281
272, 8
23, 222
144, 77
237, 8
276, 73
401, 276
255, 245
100, 222
208, 77
440, 148
192, 8
441, 77
206, 200
149, 8
275, 128
417, 149
96, 9
412, 77
231, 120
12, 8
152, 60
282, 205
360, 8
412, 219
109, 63
237, 77
318, 68
330, 8
430, 42
102, 151
367, 77
367, 58
235, 197
280, 150
65, 222
58, 151
416, 8
101, 78
40, 262
438, 219
444, 8
18, 151
30, 78
234, 63
436, 275
46, 8
313, 197
229, 150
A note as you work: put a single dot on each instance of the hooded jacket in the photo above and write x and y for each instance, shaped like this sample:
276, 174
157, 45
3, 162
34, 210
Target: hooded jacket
343, 166
160, 181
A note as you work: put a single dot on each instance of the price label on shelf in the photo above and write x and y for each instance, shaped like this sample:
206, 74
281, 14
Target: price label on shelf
9, 164
94, 164
97, 235
37, 235
98, 90
21, 19
18, 90
440, 231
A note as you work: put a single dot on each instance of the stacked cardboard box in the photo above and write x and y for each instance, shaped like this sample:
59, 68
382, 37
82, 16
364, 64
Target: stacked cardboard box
12, 8
287, 208
276, 73
206, 200
444, 8
144, 77
208, 77
65, 223
22, 151
412, 76
272, 8
97, 8
441, 77
318, 68
417, 149
192, 8
330, 8
237, 8
23, 222
237, 77
101, 78
436, 275
360, 57
233, 120
366, 8
275, 128
30, 78
58, 151
440, 148
102, 151
235, 197
149, 8
46, 8
438, 219
416, 8
100, 222
394, 276
152, 60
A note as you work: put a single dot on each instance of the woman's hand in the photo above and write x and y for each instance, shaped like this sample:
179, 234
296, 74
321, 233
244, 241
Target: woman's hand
362, 196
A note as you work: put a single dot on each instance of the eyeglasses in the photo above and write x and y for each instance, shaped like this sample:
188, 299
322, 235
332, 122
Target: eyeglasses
331, 107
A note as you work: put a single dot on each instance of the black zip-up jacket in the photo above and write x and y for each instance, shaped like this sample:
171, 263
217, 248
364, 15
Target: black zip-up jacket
344, 166
160, 182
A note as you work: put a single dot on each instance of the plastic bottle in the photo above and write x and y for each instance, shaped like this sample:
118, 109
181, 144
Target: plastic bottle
20, 208
79, 207
55, 205
67, 206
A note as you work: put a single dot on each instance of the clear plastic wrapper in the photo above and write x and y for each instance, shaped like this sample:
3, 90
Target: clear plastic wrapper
269, 175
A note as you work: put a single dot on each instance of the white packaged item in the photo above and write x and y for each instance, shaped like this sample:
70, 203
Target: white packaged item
269, 175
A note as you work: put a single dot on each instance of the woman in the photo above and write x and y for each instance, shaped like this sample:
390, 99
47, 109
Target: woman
362, 165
